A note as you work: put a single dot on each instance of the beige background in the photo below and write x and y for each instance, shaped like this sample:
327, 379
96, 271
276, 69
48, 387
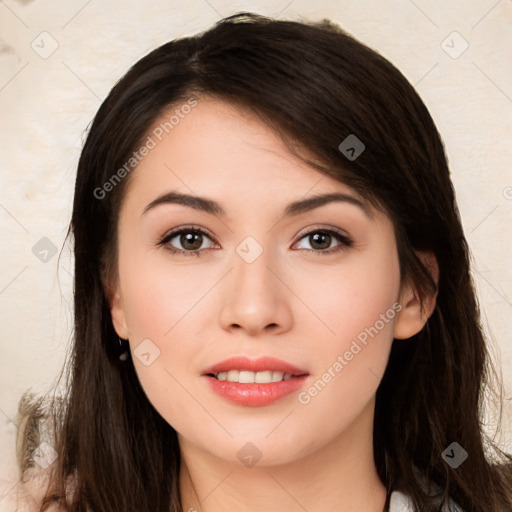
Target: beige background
47, 102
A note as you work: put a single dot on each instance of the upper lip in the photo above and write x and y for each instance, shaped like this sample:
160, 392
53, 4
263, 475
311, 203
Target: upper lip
254, 365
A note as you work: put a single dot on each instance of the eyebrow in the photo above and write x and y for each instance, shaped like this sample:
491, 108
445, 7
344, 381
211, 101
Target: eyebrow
293, 209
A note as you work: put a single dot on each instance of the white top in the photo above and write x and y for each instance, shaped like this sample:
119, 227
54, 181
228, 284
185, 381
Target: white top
400, 502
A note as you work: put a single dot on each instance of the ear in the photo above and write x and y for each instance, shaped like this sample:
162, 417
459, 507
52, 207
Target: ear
412, 317
117, 311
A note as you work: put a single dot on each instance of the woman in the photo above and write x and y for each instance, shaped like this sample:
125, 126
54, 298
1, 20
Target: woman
322, 350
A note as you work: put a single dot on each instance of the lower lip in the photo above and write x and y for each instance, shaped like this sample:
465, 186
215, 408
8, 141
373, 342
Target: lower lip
255, 395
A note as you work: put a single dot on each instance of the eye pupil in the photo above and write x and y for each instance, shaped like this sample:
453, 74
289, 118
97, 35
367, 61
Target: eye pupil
191, 238
318, 237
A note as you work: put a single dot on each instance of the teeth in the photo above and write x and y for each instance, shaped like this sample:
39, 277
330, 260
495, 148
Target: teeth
246, 377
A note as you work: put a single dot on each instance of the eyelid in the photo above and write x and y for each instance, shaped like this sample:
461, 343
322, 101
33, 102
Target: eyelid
171, 233
322, 227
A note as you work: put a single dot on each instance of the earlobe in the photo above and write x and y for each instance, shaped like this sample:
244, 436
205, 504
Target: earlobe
416, 311
117, 312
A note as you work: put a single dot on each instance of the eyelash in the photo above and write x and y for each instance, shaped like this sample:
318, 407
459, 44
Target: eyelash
340, 237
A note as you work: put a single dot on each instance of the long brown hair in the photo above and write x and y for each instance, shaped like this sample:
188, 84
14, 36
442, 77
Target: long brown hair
315, 85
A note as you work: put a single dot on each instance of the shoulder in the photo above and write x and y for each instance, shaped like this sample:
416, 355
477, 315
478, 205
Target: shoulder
400, 502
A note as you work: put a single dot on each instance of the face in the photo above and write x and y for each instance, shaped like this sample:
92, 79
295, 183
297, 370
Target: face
317, 288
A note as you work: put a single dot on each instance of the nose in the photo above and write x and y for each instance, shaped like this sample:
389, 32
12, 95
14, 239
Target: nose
255, 298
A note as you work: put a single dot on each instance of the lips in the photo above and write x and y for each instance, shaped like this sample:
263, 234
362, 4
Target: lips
242, 363
254, 393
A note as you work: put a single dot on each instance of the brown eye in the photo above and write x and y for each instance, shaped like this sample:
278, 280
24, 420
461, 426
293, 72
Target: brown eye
190, 239
320, 241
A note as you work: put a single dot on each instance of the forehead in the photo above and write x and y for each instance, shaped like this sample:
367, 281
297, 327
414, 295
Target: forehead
219, 150
219, 136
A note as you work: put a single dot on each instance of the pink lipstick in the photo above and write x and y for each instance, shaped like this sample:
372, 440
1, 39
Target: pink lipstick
254, 382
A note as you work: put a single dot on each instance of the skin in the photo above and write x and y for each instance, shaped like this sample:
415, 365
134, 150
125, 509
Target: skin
297, 305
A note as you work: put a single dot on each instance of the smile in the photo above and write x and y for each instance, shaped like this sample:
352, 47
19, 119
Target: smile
248, 377
254, 382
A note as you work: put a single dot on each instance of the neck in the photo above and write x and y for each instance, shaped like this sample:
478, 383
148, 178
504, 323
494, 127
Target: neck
341, 476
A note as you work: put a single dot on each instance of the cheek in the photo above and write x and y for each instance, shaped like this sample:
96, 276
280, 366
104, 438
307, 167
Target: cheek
162, 303
358, 309
158, 310
158, 316
156, 294
349, 300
